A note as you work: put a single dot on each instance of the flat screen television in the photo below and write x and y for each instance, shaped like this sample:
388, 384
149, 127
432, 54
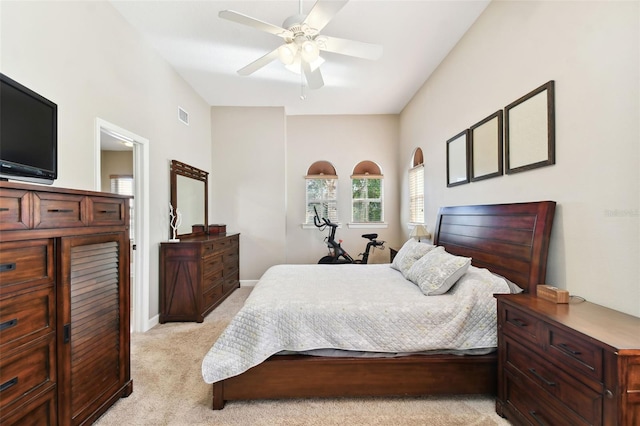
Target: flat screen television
28, 134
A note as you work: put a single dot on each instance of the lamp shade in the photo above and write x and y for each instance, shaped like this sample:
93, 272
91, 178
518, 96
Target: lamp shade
287, 53
419, 232
309, 51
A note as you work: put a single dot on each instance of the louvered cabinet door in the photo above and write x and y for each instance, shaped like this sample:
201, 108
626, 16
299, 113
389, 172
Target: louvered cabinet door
93, 319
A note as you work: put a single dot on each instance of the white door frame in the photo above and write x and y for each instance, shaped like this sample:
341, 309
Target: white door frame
140, 321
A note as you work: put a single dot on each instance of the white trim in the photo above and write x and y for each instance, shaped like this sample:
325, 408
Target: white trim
373, 225
248, 283
140, 320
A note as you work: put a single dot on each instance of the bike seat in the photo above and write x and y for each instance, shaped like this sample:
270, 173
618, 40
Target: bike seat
370, 236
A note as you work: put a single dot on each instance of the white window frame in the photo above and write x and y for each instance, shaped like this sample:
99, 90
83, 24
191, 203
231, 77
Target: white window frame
124, 185
354, 223
330, 202
416, 194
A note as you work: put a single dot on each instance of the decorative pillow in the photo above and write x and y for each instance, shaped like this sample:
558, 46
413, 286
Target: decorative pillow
437, 271
411, 251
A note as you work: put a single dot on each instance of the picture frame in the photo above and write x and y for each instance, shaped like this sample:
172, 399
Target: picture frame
485, 145
530, 130
458, 159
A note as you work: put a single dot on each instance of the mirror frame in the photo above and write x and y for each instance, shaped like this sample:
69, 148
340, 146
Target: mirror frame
178, 168
485, 148
458, 159
530, 128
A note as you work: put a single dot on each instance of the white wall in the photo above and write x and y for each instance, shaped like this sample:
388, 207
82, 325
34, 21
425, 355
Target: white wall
247, 178
591, 50
344, 141
114, 163
87, 59
260, 158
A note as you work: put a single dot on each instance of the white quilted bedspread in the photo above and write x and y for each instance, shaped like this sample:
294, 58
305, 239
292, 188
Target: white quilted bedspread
353, 307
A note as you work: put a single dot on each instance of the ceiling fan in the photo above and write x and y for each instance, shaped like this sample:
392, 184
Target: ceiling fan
303, 41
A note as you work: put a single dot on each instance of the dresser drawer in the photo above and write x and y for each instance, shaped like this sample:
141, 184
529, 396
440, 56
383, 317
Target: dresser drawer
230, 259
26, 316
25, 371
14, 209
40, 411
25, 262
52, 210
106, 211
213, 265
584, 401
519, 324
577, 353
211, 296
537, 407
212, 280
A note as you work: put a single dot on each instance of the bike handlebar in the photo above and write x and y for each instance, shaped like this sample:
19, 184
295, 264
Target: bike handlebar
318, 223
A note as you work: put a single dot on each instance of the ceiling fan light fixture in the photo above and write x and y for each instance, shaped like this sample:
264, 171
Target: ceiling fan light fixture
310, 51
287, 53
295, 67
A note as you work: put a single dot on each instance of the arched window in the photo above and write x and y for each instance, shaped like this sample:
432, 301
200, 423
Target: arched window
367, 193
321, 191
416, 187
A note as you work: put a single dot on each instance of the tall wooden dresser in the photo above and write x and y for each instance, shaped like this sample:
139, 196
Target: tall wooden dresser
196, 274
64, 304
576, 363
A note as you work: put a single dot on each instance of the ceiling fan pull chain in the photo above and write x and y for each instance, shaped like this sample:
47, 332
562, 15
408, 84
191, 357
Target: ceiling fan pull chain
302, 95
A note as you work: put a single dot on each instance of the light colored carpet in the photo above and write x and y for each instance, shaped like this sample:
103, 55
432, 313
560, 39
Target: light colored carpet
168, 389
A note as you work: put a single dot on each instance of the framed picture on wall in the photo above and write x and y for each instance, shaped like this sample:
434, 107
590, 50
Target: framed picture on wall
530, 130
485, 144
458, 159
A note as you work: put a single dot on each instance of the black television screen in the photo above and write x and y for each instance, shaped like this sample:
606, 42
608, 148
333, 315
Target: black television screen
28, 134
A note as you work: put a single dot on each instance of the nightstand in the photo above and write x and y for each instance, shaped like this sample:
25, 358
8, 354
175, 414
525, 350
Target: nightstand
576, 363
392, 253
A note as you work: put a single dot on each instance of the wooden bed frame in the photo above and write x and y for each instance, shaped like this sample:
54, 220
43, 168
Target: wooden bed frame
509, 239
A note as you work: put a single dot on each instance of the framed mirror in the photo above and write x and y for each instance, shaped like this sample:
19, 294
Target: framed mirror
458, 159
189, 196
530, 130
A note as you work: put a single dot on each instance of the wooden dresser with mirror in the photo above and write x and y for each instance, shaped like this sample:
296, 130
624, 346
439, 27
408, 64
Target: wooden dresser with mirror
201, 269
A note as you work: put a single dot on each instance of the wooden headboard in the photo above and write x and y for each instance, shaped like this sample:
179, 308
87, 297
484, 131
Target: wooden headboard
508, 239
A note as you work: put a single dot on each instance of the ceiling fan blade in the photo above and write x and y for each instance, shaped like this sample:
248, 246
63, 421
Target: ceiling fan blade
349, 47
322, 12
259, 63
234, 16
314, 78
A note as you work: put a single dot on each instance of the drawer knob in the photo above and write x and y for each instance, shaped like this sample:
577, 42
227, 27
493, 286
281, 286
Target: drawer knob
518, 322
60, 210
546, 382
568, 349
6, 267
608, 394
6, 385
537, 418
9, 324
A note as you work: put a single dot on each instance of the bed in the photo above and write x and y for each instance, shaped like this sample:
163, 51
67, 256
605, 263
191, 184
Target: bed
510, 240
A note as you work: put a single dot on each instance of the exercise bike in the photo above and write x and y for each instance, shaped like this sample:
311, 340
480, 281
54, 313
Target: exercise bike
338, 255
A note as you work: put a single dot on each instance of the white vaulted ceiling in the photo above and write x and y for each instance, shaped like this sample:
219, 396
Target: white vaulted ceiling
207, 51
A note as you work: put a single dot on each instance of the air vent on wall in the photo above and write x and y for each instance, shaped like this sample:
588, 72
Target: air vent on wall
183, 116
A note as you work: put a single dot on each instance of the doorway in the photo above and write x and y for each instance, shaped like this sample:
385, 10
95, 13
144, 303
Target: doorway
125, 159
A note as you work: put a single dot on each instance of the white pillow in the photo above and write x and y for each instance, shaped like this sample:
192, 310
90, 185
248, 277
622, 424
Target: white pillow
411, 251
437, 271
